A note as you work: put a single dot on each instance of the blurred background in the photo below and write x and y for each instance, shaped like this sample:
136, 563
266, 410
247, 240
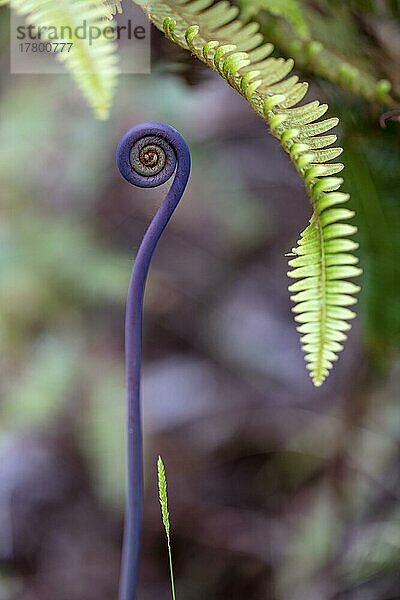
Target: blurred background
277, 490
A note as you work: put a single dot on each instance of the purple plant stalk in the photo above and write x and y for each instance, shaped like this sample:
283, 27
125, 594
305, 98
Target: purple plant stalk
147, 156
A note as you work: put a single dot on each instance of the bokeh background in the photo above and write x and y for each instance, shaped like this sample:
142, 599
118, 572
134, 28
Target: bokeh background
277, 490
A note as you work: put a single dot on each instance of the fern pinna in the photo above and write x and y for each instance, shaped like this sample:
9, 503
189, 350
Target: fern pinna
323, 259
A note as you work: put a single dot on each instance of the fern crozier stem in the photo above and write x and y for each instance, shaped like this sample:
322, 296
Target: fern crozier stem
161, 151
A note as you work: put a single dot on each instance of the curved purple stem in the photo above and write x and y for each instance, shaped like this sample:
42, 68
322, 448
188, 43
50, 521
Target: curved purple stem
133, 323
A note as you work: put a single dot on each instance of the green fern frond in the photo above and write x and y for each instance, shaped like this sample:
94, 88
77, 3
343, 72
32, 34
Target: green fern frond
313, 56
287, 26
93, 66
237, 51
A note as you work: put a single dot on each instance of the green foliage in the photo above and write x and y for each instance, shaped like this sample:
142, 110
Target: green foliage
94, 67
163, 496
317, 46
238, 53
374, 180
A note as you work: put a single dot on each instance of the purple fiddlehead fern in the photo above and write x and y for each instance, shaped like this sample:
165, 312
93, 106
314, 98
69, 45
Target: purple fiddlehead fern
147, 156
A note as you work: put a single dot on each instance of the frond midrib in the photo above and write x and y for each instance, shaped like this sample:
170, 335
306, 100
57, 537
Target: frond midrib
317, 371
